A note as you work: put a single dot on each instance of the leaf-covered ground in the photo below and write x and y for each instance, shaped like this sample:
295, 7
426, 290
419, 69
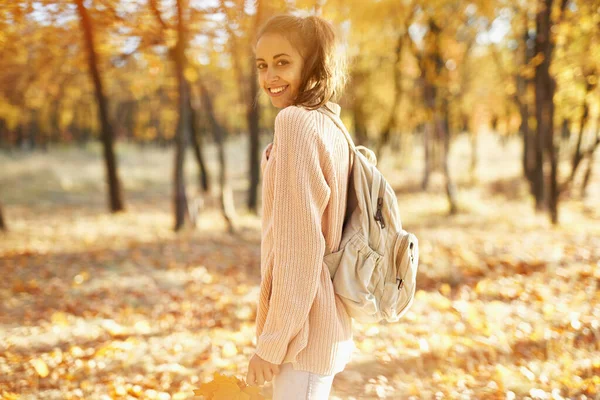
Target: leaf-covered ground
100, 306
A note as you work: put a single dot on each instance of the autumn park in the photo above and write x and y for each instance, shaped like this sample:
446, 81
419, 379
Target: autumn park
131, 134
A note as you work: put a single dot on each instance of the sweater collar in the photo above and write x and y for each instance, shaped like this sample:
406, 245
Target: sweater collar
334, 107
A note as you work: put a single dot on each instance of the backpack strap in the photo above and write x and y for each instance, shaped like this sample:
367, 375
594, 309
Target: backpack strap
368, 153
336, 120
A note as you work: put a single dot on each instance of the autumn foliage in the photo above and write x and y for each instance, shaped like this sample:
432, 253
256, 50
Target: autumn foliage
224, 387
485, 116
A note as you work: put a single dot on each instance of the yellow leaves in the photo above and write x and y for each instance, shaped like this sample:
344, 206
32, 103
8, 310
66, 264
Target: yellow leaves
229, 350
510, 89
367, 345
537, 60
65, 117
245, 313
10, 113
528, 71
40, 367
128, 390
420, 295
115, 329
224, 387
482, 287
142, 326
31, 286
59, 318
81, 277
548, 309
230, 391
440, 302
191, 74
463, 337
170, 37
586, 22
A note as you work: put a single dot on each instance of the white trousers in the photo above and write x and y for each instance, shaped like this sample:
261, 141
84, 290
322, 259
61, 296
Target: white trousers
290, 384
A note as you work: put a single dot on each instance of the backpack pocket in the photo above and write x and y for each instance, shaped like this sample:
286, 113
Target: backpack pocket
399, 287
355, 276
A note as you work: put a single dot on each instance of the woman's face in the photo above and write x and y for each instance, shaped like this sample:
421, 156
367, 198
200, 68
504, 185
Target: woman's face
279, 69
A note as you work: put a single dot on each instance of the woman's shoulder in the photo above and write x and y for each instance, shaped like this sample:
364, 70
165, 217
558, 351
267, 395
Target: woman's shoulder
294, 119
294, 113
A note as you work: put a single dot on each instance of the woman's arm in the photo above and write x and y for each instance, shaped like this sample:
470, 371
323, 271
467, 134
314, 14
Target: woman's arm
300, 196
265, 156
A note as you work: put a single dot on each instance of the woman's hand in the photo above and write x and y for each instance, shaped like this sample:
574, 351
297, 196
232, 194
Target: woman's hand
268, 151
260, 371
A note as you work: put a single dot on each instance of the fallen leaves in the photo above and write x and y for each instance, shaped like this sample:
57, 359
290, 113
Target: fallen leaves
224, 387
40, 367
505, 308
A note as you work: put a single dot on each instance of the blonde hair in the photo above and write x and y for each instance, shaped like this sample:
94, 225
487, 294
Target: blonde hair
324, 73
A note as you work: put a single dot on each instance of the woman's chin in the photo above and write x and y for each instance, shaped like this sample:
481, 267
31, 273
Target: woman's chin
279, 103
275, 103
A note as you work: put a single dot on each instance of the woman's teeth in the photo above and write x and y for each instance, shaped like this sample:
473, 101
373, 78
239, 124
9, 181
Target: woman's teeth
277, 90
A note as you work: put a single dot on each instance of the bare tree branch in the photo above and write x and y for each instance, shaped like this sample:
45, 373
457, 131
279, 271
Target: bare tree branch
157, 14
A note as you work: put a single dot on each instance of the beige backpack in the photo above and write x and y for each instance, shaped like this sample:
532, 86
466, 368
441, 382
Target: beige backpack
374, 271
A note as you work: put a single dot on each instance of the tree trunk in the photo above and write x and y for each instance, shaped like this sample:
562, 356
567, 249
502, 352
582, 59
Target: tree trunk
19, 139
34, 132
358, 117
253, 118
588, 174
196, 204
528, 157
450, 187
227, 203
197, 134
590, 166
545, 87
427, 135
384, 137
473, 168
248, 97
3, 134
541, 103
183, 131
579, 154
565, 131
115, 196
429, 81
429, 93
3, 226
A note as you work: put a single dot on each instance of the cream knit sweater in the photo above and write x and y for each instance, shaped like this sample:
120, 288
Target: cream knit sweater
299, 317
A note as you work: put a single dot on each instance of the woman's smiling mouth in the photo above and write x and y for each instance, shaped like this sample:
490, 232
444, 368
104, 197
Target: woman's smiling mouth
277, 91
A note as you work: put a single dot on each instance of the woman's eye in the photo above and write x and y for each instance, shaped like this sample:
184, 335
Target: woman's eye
262, 65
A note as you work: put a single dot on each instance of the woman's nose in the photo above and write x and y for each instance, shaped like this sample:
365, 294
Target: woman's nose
271, 77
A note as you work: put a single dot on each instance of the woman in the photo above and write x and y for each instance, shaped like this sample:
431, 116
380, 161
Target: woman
304, 334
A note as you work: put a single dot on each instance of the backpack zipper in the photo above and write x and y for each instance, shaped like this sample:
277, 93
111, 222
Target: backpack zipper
403, 245
378, 213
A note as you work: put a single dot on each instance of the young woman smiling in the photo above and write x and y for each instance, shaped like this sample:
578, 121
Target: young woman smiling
303, 332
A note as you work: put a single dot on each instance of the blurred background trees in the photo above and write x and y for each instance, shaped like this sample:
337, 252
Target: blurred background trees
165, 73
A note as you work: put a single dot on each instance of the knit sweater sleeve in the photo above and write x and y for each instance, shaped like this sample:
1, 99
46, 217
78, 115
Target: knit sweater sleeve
301, 194
263, 158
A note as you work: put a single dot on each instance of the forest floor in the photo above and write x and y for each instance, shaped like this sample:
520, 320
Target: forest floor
101, 306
